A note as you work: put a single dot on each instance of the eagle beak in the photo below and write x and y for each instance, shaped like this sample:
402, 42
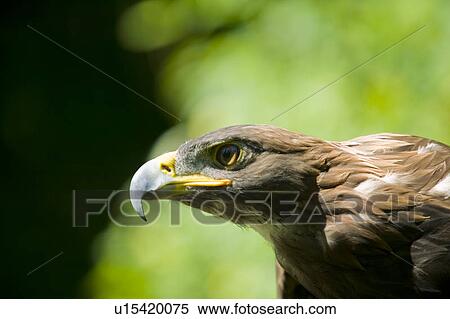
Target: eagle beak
159, 173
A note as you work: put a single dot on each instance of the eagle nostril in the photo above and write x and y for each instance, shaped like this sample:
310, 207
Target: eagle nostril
166, 168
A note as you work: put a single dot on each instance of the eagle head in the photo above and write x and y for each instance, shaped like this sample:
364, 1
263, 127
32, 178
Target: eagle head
241, 173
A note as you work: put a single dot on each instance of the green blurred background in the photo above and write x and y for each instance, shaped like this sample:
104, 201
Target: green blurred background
67, 126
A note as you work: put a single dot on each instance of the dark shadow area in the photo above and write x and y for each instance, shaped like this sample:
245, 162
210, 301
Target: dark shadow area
65, 126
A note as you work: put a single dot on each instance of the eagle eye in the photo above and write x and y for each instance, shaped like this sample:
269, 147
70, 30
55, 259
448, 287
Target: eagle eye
228, 154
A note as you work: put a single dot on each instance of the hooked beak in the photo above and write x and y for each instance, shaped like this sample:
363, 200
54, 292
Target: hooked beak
159, 173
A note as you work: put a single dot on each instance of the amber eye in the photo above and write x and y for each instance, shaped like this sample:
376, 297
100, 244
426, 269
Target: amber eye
228, 154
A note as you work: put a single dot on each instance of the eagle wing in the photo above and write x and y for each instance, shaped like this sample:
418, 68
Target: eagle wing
398, 188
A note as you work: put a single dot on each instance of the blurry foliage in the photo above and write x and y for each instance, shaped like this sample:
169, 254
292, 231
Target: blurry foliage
234, 62
185, 261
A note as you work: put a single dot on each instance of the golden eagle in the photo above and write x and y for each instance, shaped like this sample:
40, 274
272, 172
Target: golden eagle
365, 218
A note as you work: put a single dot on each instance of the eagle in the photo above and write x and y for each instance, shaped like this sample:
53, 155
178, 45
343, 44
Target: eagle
364, 218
